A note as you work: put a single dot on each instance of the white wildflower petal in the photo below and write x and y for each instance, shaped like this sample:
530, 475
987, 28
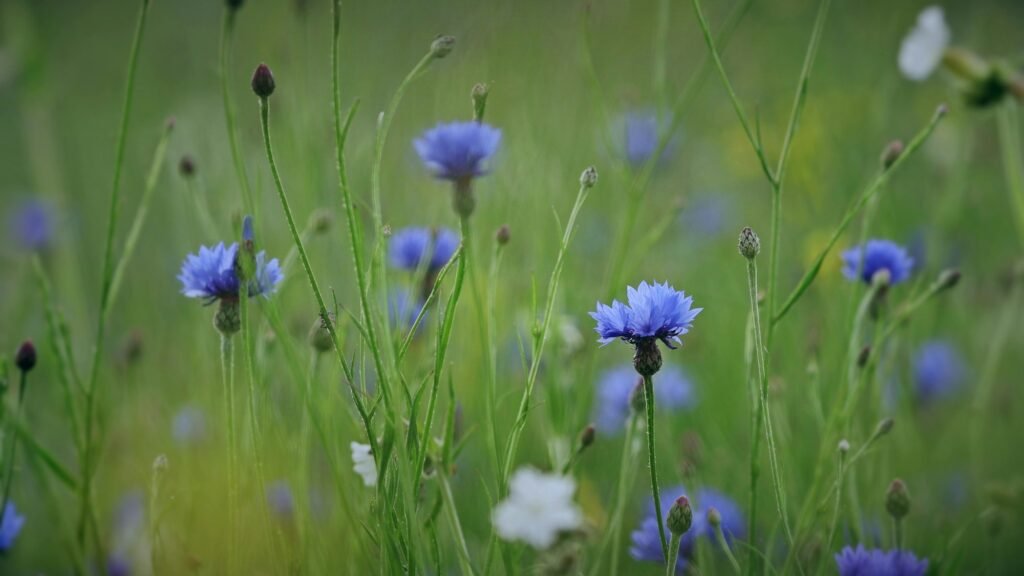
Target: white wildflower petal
539, 507
364, 464
923, 47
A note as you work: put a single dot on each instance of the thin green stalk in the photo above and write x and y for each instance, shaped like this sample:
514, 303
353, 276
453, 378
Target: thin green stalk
840, 475
490, 386
773, 459
87, 464
1010, 147
754, 382
673, 555
461, 549
897, 531
227, 366
653, 462
660, 53
724, 545
625, 485
226, 32
12, 453
155, 168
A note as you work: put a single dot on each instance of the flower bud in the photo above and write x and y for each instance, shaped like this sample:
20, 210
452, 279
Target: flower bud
503, 235
884, 427
320, 220
948, 278
587, 437
680, 516
897, 499
864, 356
442, 46
714, 517
187, 166
479, 97
25, 359
647, 357
263, 81
844, 446
589, 177
749, 244
319, 336
892, 153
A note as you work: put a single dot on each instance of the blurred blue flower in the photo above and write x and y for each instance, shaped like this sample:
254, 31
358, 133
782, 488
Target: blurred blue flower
939, 371
189, 426
458, 150
32, 225
641, 130
409, 247
655, 311
403, 308
130, 546
672, 391
281, 499
860, 561
647, 544
706, 215
877, 255
10, 527
211, 274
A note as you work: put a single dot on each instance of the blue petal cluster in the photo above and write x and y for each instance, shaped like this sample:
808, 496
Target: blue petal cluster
673, 391
939, 370
877, 255
655, 311
403, 308
32, 225
860, 561
411, 246
281, 499
10, 527
211, 274
641, 131
646, 545
458, 150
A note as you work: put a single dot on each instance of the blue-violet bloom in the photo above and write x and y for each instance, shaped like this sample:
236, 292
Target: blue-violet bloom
877, 255
458, 151
939, 370
212, 274
860, 561
32, 225
10, 527
411, 246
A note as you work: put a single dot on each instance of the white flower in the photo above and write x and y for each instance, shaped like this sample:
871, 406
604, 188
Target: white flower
538, 507
923, 47
363, 462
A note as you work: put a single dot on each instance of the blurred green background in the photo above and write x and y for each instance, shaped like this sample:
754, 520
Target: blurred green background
62, 67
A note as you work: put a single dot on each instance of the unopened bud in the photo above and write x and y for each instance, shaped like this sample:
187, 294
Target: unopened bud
503, 235
680, 516
587, 437
948, 278
589, 177
479, 97
864, 356
319, 336
844, 446
187, 166
320, 221
897, 499
892, 153
442, 46
884, 427
25, 358
749, 243
942, 110
263, 81
714, 517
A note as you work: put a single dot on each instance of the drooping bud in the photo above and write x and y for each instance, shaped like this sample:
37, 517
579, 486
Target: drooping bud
263, 81
442, 46
897, 499
680, 516
503, 235
892, 153
320, 221
714, 517
647, 357
25, 358
479, 97
187, 166
589, 177
749, 244
948, 278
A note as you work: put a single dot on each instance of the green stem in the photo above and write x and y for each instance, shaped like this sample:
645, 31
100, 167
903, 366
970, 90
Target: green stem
461, 549
754, 382
840, 474
1010, 146
649, 403
673, 555
227, 366
897, 530
724, 544
227, 28
12, 454
626, 475
87, 464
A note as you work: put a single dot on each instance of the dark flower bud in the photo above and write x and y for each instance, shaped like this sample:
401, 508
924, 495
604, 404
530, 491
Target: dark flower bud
680, 516
647, 357
187, 166
25, 359
321, 220
442, 46
892, 153
897, 499
589, 177
884, 427
587, 437
503, 235
864, 356
263, 81
749, 244
479, 97
948, 278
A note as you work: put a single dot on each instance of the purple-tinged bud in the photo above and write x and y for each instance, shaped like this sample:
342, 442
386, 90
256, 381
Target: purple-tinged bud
587, 437
442, 46
263, 81
503, 235
680, 516
187, 166
247, 233
589, 177
897, 499
948, 278
25, 359
749, 244
892, 153
942, 110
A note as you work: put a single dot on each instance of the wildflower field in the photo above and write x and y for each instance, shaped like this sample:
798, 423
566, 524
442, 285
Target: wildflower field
591, 287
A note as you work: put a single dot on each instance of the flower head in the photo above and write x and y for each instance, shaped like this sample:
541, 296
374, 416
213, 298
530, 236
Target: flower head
539, 507
641, 131
863, 262
458, 150
939, 370
673, 391
411, 246
212, 274
646, 541
363, 463
189, 426
655, 311
10, 526
31, 224
923, 47
860, 561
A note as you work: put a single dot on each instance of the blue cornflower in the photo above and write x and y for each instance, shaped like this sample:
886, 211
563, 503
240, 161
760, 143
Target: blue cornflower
10, 527
32, 224
409, 247
641, 130
403, 308
212, 274
939, 370
877, 255
281, 499
860, 561
189, 426
647, 544
458, 151
673, 392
